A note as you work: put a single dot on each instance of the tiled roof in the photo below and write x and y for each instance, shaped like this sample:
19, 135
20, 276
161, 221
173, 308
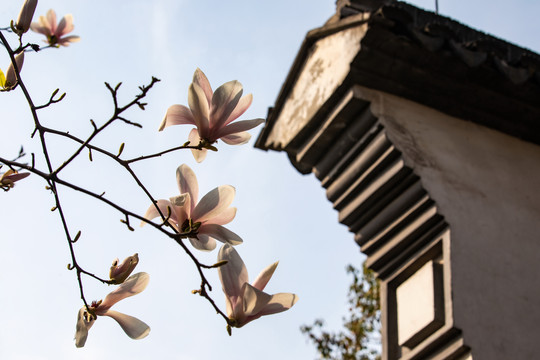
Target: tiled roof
432, 60
437, 33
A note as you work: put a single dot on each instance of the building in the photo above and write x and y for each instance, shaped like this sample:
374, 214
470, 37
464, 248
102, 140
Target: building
425, 134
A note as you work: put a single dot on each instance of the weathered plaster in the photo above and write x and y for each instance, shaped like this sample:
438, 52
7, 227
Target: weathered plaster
324, 70
487, 185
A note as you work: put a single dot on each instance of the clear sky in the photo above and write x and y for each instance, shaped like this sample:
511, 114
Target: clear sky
282, 215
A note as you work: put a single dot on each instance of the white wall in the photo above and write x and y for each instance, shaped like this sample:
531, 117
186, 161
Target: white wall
487, 185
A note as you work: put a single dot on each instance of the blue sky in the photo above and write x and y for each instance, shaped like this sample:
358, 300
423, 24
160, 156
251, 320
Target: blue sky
282, 215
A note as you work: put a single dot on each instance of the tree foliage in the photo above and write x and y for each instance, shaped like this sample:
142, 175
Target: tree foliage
360, 337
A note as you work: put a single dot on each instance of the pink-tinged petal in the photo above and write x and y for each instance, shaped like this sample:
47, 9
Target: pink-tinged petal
66, 40
237, 312
187, 183
265, 275
194, 139
120, 271
132, 286
237, 139
254, 300
163, 206
133, 327
177, 115
50, 21
213, 203
241, 107
18, 176
199, 108
229, 306
180, 200
220, 233
182, 208
200, 79
279, 303
199, 155
233, 275
65, 26
224, 101
82, 327
239, 126
10, 176
203, 242
224, 218
37, 27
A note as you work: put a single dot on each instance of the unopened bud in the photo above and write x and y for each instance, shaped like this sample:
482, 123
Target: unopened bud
25, 16
11, 77
121, 149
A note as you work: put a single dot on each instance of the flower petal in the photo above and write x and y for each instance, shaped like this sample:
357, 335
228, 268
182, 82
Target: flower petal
224, 101
177, 115
237, 139
119, 272
279, 302
203, 242
194, 139
224, 218
239, 126
187, 183
132, 286
265, 275
213, 203
163, 206
66, 40
182, 209
241, 107
254, 300
232, 275
133, 327
50, 21
12, 176
82, 327
65, 26
220, 233
200, 79
37, 27
199, 108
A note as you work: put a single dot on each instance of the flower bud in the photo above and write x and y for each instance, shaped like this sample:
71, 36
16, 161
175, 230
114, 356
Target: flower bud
11, 78
120, 272
25, 16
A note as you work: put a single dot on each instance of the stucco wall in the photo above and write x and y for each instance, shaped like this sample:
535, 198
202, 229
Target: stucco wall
487, 185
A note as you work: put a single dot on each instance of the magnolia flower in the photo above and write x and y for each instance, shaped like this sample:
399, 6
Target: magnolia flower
205, 217
25, 16
8, 179
119, 272
133, 327
212, 113
9, 81
55, 33
247, 302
